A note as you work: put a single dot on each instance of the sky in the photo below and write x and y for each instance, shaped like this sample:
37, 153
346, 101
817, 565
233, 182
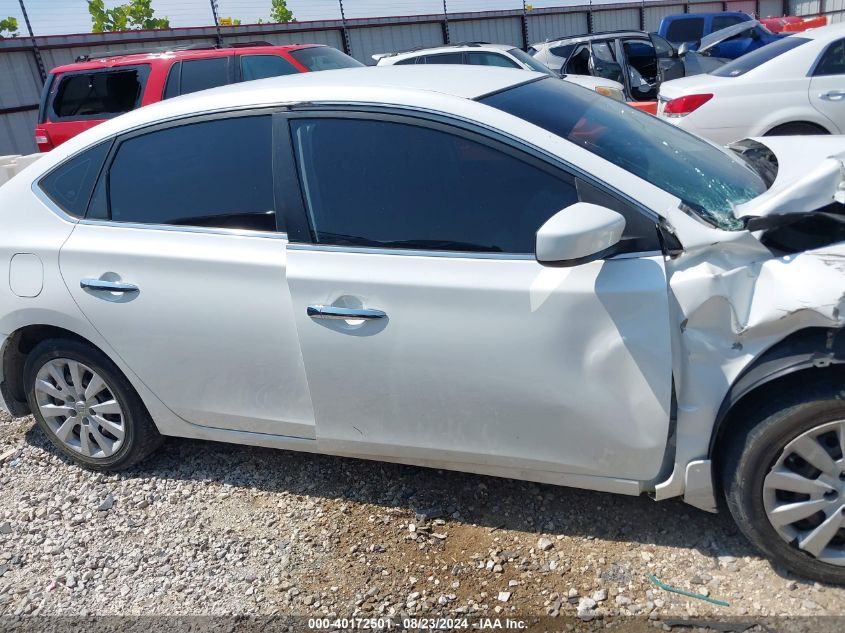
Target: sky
55, 17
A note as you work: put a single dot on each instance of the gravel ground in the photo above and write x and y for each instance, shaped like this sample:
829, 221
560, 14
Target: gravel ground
214, 529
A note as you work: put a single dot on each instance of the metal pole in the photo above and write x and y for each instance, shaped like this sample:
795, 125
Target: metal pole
590, 18
216, 23
446, 37
642, 15
347, 45
39, 62
524, 26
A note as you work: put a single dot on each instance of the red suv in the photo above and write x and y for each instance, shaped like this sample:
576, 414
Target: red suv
81, 95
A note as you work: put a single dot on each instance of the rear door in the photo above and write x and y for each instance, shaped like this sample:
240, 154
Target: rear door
643, 72
603, 61
430, 332
79, 100
182, 269
827, 85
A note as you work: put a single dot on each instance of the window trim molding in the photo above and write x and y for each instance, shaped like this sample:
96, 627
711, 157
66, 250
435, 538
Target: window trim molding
118, 140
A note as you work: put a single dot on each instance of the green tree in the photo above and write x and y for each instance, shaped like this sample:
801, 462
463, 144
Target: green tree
279, 12
135, 14
9, 25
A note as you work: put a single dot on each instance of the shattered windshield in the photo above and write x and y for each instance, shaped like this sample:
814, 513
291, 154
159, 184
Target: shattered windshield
709, 181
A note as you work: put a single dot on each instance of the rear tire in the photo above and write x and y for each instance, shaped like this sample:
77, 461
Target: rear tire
764, 470
86, 407
797, 128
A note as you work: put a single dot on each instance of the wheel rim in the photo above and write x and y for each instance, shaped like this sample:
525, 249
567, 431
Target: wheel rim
80, 408
804, 493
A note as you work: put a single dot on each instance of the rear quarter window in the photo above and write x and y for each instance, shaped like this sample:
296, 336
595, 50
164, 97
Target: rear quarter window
70, 184
96, 94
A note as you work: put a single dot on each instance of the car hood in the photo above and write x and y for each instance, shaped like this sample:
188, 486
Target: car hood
810, 176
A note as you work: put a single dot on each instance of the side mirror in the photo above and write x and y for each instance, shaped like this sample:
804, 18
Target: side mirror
683, 49
578, 234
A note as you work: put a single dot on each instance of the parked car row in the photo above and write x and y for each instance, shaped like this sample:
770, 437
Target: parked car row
500, 55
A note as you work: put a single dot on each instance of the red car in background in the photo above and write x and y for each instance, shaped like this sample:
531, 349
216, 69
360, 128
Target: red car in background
793, 23
78, 96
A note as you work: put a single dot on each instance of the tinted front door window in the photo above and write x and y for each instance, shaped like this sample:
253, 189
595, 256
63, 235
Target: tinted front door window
364, 188
210, 174
263, 66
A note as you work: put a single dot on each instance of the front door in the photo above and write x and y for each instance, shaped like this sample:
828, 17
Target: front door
182, 270
428, 329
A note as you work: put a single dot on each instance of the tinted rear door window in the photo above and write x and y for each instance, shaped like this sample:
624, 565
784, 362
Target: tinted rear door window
97, 94
685, 30
209, 174
201, 74
445, 58
470, 196
263, 66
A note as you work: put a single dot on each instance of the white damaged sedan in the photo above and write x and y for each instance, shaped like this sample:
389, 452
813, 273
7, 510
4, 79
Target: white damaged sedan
465, 268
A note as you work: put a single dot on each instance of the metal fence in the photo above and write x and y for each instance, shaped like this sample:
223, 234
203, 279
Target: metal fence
21, 77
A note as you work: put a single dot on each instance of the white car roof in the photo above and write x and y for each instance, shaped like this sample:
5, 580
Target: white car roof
392, 58
394, 85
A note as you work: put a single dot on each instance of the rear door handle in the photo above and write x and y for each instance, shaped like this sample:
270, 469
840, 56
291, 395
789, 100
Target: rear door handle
833, 95
344, 314
107, 286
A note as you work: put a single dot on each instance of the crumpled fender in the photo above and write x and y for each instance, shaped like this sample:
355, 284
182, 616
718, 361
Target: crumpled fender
731, 302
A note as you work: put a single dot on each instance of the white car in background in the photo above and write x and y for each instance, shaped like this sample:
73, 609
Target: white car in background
463, 268
497, 55
792, 86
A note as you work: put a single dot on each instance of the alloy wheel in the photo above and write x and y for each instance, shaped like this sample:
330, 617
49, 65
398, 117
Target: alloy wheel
80, 408
804, 493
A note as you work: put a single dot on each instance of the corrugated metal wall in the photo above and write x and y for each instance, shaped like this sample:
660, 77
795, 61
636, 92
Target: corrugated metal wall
20, 84
544, 26
771, 8
616, 19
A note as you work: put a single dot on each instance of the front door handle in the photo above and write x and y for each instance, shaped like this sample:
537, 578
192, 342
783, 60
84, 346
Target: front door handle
344, 314
833, 95
107, 286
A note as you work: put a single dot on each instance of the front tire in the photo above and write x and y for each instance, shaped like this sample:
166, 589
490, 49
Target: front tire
783, 476
86, 406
